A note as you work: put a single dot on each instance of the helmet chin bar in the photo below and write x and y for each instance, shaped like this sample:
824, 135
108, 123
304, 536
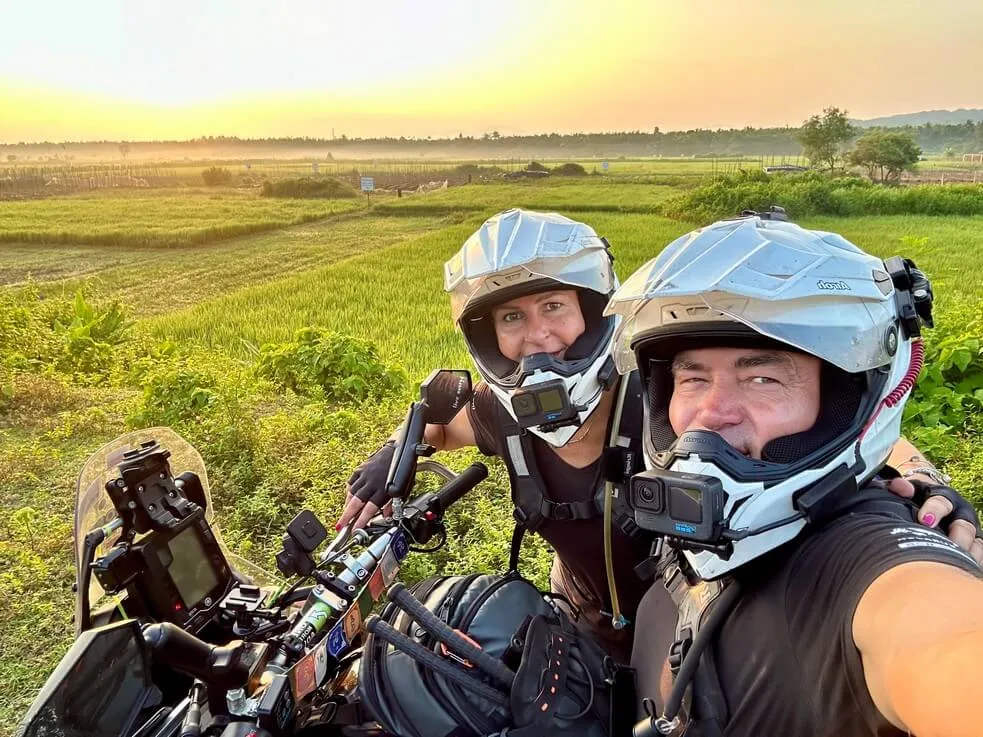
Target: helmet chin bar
690, 509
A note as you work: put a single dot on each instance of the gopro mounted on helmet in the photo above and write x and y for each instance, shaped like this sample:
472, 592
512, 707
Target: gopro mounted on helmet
762, 283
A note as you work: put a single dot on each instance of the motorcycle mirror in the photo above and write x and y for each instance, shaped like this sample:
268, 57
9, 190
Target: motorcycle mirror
444, 393
99, 687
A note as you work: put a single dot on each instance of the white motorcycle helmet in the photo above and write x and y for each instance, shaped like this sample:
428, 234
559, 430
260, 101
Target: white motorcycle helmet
516, 253
756, 282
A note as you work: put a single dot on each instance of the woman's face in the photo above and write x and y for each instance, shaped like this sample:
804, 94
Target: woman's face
548, 322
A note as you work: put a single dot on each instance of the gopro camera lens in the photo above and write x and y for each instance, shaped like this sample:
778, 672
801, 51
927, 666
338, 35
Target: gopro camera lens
524, 405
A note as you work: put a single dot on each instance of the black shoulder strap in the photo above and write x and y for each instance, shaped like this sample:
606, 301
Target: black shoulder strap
702, 608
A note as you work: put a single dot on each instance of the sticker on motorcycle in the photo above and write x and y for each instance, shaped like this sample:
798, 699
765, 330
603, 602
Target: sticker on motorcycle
376, 584
400, 546
352, 623
389, 567
337, 642
303, 677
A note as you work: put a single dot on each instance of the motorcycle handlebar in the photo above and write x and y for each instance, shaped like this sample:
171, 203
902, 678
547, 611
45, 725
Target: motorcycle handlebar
461, 484
217, 666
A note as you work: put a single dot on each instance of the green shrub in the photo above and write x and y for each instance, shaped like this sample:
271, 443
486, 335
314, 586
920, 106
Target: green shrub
570, 169
536, 166
948, 397
305, 187
91, 337
813, 193
176, 394
322, 363
216, 176
67, 334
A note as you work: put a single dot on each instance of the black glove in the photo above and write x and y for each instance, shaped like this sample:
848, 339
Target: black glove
368, 482
961, 508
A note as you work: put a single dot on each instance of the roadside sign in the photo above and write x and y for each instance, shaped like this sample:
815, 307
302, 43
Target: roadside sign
368, 184
604, 166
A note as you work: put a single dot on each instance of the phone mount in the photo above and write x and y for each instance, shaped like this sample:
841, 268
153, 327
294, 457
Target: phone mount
146, 496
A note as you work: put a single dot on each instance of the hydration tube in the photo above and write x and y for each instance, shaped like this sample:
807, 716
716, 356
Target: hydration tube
618, 620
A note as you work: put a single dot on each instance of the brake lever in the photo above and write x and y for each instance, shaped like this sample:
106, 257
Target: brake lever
340, 540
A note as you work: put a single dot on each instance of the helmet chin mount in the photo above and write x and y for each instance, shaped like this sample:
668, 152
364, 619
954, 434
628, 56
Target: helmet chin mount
542, 397
694, 511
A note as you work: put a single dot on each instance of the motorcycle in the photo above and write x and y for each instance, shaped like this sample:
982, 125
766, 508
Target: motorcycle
178, 636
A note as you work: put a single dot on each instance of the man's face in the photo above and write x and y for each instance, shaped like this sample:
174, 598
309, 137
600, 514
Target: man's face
539, 323
747, 396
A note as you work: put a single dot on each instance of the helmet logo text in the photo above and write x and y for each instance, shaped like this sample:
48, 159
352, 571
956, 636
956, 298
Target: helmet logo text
837, 286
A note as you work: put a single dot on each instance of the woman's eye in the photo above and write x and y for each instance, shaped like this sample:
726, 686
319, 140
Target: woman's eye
511, 316
551, 306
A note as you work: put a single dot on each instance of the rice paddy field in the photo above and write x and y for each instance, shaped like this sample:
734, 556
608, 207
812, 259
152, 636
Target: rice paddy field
207, 277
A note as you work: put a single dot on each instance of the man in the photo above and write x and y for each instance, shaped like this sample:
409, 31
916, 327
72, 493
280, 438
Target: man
528, 292
776, 362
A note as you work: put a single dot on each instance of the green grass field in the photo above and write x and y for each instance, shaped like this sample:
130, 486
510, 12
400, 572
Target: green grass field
373, 274
168, 218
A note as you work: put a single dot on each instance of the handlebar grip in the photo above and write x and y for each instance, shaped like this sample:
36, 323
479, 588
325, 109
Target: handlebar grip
182, 651
460, 485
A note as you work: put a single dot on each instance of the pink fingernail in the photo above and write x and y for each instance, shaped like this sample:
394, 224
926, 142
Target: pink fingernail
337, 527
929, 519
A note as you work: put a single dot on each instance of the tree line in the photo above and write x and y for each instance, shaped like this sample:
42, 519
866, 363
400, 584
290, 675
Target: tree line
932, 139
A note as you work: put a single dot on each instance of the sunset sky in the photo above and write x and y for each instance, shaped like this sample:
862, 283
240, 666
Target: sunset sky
113, 69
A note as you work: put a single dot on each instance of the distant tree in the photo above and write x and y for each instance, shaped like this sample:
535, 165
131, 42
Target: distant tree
949, 153
11, 158
124, 149
823, 137
536, 166
885, 153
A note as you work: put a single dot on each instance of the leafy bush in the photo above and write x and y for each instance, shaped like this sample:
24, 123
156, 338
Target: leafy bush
67, 334
306, 187
91, 337
216, 176
570, 169
948, 397
536, 166
322, 363
812, 193
175, 395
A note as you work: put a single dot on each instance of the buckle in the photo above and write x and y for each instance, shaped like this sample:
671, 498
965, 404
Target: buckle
559, 510
678, 651
519, 516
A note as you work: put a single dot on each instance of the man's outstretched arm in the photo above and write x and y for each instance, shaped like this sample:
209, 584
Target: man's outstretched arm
919, 630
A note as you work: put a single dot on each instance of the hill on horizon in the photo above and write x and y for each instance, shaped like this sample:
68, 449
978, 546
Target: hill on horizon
925, 116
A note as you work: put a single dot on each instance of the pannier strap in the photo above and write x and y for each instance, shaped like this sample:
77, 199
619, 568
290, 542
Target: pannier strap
384, 631
457, 644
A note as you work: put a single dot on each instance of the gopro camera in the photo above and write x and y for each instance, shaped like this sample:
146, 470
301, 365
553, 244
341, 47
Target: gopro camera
682, 505
546, 404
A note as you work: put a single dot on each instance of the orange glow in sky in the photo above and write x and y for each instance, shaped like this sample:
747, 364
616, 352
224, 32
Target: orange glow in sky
134, 69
